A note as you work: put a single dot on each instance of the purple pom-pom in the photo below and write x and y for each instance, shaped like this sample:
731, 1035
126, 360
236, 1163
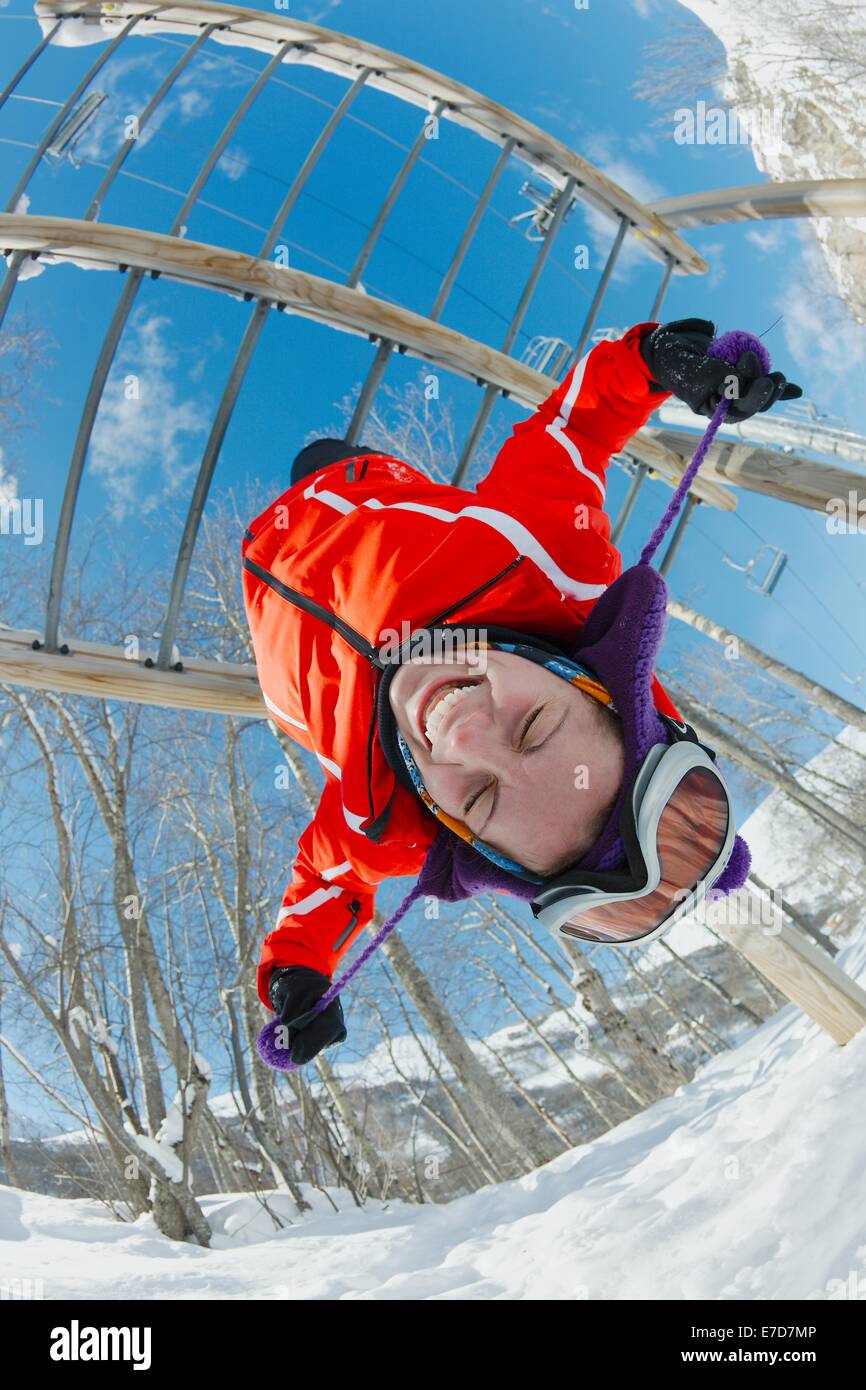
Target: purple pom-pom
729, 347
735, 872
271, 1046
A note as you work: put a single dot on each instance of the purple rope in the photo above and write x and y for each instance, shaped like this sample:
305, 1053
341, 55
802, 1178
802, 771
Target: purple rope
273, 1053
729, 348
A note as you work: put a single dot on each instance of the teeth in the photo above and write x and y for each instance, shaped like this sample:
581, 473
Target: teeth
441, 704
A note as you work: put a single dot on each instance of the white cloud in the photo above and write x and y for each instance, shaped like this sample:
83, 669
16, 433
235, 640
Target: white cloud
766, 239
144, 422
714, 254
233, 163
645, 142
8, 484
129, 84
602, 229
821, 335
318, 12
193, 102
599, 146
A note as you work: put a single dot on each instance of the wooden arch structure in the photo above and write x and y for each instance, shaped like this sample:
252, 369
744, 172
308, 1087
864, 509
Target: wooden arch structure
257, 279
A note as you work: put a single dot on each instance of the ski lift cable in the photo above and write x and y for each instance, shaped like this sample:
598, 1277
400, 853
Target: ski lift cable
333, 207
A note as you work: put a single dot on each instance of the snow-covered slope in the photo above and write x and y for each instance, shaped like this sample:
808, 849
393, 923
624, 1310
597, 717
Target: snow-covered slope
797, 75
749, 1183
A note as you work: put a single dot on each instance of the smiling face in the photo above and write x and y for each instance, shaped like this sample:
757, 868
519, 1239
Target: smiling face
531, 764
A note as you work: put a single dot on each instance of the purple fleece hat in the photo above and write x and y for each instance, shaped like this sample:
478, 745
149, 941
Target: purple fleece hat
618, 642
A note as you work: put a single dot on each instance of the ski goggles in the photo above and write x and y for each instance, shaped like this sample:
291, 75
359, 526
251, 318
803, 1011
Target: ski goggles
678, 830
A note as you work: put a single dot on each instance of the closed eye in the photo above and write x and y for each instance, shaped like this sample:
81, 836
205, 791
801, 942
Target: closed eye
524, 731
473, 800
528, 725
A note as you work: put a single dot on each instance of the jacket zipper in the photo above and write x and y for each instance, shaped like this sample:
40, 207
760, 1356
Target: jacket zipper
316, 610
345, 630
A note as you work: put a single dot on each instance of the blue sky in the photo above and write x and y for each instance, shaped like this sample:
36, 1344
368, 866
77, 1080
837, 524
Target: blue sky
570, 71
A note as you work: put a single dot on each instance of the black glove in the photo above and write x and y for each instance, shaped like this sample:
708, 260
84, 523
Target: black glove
676, 354
293, 990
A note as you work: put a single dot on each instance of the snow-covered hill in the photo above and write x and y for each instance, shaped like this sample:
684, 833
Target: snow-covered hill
749, 1183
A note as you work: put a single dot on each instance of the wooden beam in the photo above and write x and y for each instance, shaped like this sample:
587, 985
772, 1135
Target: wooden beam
401, 77
754, 202
794, 478
805, 974
94, 668
101, 245
667, 463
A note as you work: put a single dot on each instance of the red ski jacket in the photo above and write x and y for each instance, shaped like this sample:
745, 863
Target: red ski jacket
336, 566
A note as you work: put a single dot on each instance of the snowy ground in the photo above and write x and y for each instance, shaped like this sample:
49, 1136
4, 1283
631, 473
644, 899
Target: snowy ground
749, 1183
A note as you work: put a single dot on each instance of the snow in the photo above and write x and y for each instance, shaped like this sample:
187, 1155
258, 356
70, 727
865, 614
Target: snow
729, 1189
163, 1156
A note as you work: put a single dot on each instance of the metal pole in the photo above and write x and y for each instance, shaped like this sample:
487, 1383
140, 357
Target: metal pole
27, 65
235, 382
368, 391
471, 227
662, 291
123, 153
488, 400
679, 532
393, 194
594, 307
105, 359
625, 511
386, 347
17, 260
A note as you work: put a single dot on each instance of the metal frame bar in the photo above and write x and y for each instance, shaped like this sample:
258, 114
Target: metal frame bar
156, 100
226, 271
387, 345
628, 503
563, 203
471, 228
679, 531
10, 279
390, 199
592, 311
27, 65
371, 385
235, 381
661, 292
417, 85
755, 202
102, 368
